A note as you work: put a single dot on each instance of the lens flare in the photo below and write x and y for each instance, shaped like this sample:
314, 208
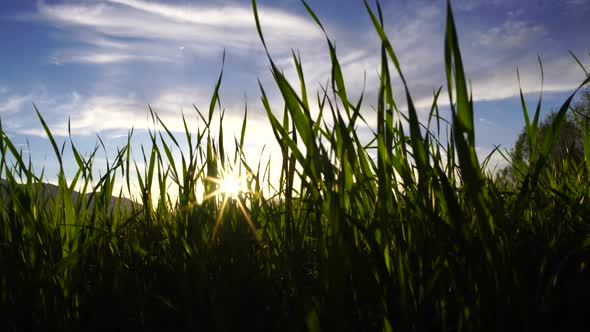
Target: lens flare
231, 185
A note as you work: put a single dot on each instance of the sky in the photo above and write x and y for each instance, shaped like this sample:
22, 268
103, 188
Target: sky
99, 64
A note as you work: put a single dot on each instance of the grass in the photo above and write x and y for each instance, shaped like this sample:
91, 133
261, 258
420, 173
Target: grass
407, 233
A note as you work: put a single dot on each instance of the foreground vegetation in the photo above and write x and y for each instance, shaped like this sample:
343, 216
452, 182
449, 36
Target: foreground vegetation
406, 233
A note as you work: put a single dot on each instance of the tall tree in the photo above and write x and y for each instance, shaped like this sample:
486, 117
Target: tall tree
569, 141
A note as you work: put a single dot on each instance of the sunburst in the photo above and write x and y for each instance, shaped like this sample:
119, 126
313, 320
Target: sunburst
231, 187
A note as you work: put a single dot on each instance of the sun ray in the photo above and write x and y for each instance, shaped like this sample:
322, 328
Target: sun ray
219, 220
248, 220
231, 186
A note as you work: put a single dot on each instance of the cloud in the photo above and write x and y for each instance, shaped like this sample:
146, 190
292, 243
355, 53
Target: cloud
491, 55
13, 103
124, 30
485, 121
415, 36
131, 30
561, 74
471, 5
89, 115
512, 34
112, 117
576, 3
104, 58
115, 115
418, 40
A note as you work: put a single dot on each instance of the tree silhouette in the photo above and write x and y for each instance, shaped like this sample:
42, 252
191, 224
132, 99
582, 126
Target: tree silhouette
568, 145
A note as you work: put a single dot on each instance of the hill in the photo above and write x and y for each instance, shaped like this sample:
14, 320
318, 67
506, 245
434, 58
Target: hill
49, 191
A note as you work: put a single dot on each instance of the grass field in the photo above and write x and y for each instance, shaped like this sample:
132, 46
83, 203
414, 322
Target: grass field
406, 233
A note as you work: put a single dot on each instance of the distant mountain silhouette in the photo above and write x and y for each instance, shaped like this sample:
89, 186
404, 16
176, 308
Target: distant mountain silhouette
49, 192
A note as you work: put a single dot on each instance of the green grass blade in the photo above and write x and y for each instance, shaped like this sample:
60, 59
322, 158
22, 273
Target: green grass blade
50, 136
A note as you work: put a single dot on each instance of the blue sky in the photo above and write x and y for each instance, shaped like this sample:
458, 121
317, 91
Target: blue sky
101, 63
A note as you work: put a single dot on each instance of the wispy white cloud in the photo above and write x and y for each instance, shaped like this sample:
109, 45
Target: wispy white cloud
561, 74
112, 114
89, 115
512, 34
112, 117
13, 103
130, 30
471, 5
577, 3
225, 17
120, 30
491, 55
105, 58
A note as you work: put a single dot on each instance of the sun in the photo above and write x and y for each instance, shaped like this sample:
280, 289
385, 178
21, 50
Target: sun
231, 184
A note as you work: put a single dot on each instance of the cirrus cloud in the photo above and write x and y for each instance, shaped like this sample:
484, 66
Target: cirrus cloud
125, 30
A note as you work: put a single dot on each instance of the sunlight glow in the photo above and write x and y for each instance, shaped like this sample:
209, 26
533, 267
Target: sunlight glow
231, 185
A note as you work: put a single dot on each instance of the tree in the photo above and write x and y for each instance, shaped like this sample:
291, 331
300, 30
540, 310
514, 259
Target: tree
581, 109
569, 142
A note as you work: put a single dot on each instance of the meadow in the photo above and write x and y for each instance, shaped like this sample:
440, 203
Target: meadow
406, 233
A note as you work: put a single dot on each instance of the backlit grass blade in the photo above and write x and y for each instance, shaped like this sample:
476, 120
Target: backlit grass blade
461, 107
383, 154
128, 160
579, 63
243, 130
170, 160
15, 153
188, 136
299, 68
220, 139
170, 135
539, 101
531, 130
215, 97
417, 142
280, 133
58, 154
300, 114
587, 143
